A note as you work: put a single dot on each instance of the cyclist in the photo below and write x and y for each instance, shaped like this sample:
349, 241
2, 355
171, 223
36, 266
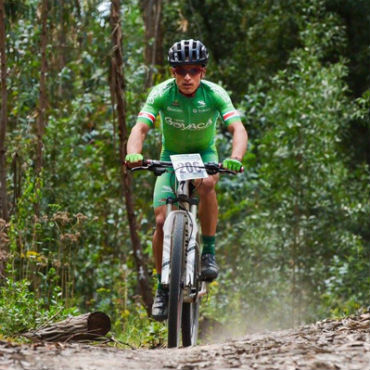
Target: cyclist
189, 107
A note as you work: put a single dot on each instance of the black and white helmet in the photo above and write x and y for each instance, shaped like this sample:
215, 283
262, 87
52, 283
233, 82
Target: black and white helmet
187, 52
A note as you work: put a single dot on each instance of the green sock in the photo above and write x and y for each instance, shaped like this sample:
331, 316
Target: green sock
208, 244
159, 286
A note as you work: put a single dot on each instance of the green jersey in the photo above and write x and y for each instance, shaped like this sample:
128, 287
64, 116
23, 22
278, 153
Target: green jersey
188, 124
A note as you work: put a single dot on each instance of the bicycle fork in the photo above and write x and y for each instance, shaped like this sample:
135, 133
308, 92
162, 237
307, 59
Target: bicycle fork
190, 247
191, 232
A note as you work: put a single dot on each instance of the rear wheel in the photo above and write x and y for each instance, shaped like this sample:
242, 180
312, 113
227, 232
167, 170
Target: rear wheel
190, 317
175, 303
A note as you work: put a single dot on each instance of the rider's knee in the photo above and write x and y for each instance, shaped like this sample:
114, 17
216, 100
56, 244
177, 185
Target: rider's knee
159, 219
207, 186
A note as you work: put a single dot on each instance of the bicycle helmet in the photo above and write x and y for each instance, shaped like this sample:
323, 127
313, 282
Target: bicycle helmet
187, 52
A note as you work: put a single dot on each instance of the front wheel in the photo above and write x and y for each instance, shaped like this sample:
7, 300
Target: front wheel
175, 303
190, 311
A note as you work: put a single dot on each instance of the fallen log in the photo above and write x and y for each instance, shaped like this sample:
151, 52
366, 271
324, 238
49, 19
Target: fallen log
89, 326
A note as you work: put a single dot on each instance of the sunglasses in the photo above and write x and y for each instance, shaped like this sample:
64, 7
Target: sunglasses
191, 71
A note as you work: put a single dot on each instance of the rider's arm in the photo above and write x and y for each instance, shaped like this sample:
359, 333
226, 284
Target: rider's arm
144, 122
231, 118
240, 139
136, 139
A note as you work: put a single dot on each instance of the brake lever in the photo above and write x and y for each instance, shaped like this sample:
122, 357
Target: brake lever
157, 171
139, 168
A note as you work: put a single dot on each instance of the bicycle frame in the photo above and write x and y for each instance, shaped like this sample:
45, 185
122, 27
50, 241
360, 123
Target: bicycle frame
188, 207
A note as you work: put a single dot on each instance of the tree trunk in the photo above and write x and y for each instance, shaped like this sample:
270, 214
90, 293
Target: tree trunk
62, 33
118, 89
4, 118
88, 326
153, 55
17, 176
4, 214
41, 119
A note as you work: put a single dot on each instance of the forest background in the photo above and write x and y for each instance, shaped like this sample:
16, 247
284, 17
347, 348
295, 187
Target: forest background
75, 229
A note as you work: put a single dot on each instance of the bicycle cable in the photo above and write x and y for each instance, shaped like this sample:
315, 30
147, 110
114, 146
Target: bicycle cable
181, 207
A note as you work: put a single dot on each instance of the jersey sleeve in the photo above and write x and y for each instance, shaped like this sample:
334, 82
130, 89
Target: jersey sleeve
149, 111
225, 106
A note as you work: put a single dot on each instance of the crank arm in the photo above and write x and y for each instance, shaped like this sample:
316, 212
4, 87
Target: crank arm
203, 290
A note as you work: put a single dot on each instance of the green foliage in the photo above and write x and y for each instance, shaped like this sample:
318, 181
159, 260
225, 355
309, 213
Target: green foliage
296, 223
296, 240
21, 310
133, 326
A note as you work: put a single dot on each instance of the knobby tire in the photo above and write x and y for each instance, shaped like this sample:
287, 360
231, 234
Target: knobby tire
190, 317
190, 313
175, 289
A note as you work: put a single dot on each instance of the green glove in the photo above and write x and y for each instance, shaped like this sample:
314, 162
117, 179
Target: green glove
232, 164
133, 158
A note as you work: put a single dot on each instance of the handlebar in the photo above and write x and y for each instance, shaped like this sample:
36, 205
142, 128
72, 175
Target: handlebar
159, 167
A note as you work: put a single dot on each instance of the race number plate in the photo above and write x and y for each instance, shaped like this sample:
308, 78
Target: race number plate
188, 166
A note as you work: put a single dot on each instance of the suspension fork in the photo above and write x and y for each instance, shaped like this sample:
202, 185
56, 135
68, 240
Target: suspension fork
187, 203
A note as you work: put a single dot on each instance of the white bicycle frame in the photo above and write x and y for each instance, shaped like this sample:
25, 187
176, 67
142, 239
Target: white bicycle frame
191, 242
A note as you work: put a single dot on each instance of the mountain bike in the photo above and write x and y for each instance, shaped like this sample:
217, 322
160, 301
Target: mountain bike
181, 272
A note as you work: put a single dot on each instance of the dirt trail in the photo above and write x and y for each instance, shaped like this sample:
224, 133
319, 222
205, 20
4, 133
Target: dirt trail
329, 344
